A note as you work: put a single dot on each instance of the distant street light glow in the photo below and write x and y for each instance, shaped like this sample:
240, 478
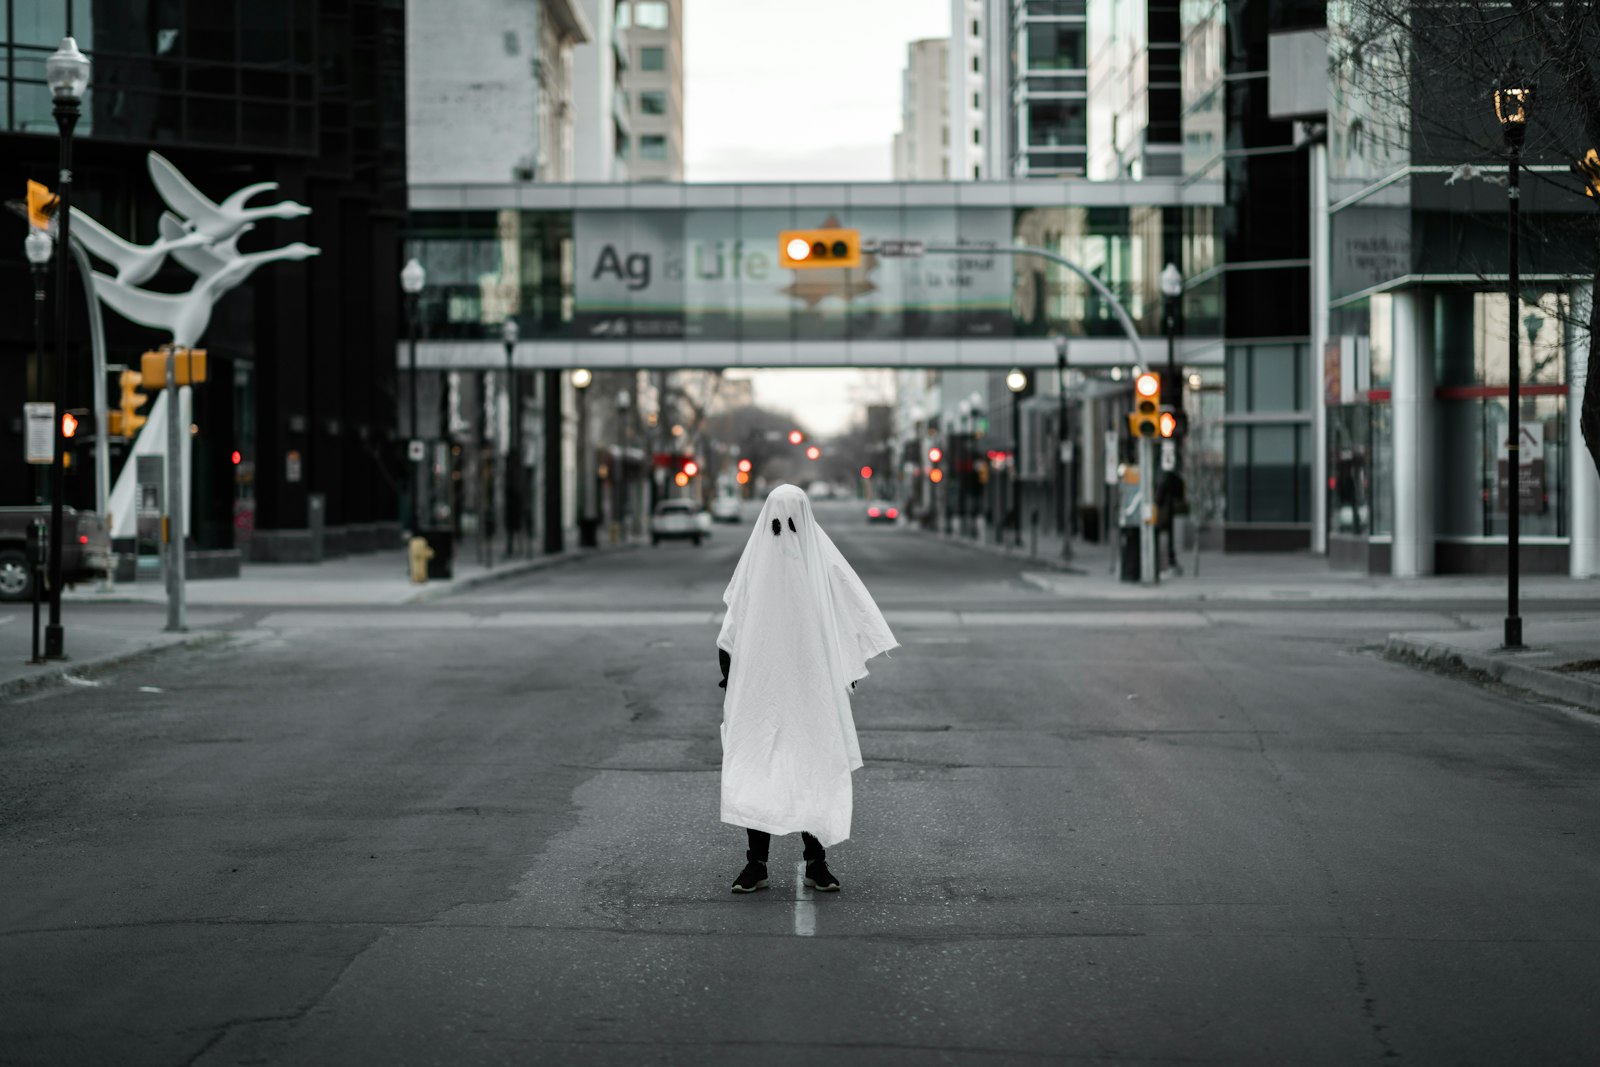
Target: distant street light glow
691, 468
936, 476
795, 437
866, 472
681, 478
813, 452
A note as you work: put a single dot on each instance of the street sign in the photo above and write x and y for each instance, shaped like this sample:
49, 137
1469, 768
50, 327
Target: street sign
415, 451
1530, 472
41, 433
1169, 455
897, 249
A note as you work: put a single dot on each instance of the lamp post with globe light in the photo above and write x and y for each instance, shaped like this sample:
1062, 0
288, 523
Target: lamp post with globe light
513, 490
413, 276
624, 416
38, 247
582, 378
67, 73
1511, 108
1017, 382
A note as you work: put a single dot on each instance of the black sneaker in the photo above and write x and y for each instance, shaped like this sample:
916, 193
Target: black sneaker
821, 879
753, 877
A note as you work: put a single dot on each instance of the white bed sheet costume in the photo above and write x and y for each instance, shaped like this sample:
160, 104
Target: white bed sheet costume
800, 628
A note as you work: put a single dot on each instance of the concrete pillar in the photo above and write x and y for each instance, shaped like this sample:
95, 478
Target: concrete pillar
1583, 513
1414, 470
1319, 344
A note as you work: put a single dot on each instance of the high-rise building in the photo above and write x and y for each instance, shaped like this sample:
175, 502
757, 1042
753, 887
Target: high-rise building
922, 147
603, 127
295, 435
1135, 94
1018, 84
505, 113
652, 32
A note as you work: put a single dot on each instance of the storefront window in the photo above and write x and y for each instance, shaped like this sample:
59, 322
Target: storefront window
1474, 494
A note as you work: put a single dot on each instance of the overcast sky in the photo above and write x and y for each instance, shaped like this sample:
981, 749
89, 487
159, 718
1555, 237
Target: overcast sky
799, 90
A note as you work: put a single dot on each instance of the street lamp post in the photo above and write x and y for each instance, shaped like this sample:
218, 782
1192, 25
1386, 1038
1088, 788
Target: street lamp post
67, 73
624, 411
1511, 108
1066, 509
412, 278
582, 378
37, 246
963, 459
1172, 387
1016, 381
508, 335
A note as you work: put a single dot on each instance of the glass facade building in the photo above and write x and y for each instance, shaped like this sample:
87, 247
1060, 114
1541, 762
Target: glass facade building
309, 94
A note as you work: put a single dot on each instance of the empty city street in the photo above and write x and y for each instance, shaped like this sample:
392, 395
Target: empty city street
485, 829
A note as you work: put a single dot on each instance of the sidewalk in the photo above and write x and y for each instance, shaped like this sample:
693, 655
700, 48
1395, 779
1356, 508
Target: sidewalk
1562, 659
97, 641
1263, 576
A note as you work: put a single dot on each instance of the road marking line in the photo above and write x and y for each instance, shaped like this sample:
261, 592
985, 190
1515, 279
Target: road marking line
805, 909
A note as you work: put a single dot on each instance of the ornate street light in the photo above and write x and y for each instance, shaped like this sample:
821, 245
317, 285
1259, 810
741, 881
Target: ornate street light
412, 278
1017, 382
1511, 108
67, 73
513, 495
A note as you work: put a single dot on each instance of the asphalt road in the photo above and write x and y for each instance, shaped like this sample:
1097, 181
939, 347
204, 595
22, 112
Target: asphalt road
485, 831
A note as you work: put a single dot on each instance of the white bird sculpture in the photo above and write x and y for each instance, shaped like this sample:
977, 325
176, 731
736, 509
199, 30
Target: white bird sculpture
135, 263
202, 258
216, 221
186, 315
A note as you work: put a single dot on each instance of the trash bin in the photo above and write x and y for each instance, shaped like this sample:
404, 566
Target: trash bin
1129, 571
442, 540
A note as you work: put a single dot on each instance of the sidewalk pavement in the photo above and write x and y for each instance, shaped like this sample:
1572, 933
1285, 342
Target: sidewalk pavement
1250, 576
102, 640
1561, 660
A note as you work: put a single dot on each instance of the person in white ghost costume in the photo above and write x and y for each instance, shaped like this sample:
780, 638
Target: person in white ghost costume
799, 630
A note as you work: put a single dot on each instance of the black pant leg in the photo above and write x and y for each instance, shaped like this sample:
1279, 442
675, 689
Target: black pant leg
760, 843
813, 848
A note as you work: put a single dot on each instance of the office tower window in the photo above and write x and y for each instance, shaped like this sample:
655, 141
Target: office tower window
1052, 46
975, 104
974, 64
975, 138
653, 147
975, 27
624, 14
653, 102
650, 15
652, 59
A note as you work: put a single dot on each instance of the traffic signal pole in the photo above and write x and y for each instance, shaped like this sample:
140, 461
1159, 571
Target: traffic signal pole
1149, 573
175, 499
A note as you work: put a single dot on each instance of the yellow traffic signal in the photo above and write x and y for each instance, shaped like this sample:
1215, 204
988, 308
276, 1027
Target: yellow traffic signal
189, 367
804, 249
42, 204
126, 421
1142, 420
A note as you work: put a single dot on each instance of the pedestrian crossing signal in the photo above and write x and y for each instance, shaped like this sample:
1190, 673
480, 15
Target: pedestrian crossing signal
805, 249
1143, 420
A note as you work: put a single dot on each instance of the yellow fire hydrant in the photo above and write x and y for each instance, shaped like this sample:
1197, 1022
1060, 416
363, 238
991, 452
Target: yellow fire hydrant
419, 553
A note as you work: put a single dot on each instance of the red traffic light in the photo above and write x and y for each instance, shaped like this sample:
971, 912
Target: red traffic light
69, 424
691, 468
795, 437
744, 466
1148, 385
866, 472
236, 457
813, 452
935, 454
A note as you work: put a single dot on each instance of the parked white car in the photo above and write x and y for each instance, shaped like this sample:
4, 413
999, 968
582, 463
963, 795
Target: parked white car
726, 509
681, 520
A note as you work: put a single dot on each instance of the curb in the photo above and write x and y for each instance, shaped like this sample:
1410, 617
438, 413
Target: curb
515, 570
1044, 562
54, 673
1502, 668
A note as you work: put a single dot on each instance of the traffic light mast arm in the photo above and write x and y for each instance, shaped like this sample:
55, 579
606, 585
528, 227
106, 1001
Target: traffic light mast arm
1055, 257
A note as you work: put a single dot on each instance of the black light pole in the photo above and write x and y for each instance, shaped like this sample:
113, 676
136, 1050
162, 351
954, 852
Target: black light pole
624, 416
412, 278
1017, 382
67, 72
1062, 507
508, 335
1511, 107
38, 247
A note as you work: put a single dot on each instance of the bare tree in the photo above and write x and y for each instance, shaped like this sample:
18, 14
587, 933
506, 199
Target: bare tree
1414, 81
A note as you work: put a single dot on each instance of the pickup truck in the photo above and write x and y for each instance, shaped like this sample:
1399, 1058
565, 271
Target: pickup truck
85, 547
